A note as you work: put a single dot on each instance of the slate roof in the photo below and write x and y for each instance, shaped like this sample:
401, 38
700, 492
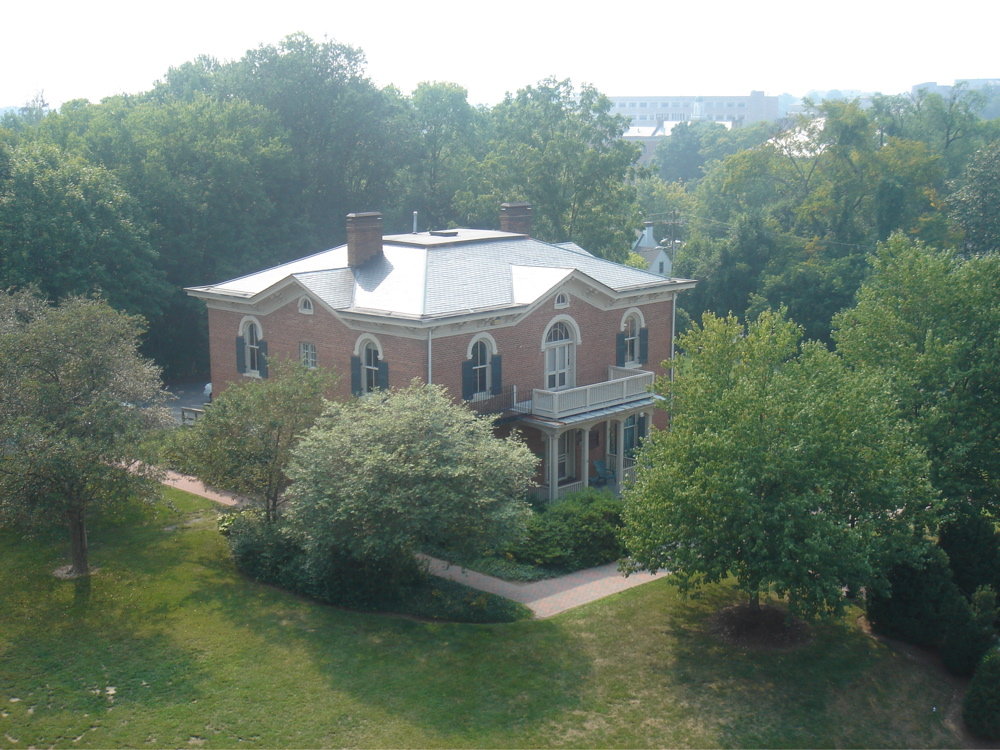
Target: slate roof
424, 275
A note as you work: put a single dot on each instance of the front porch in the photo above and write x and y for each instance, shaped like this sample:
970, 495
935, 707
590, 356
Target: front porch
591, 449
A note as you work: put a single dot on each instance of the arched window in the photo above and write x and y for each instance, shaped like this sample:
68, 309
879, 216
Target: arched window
369, 370
251, 349
631, 340
369, 367
562, 300
481, 374
480, 368
305, 306
560, 364
632, 343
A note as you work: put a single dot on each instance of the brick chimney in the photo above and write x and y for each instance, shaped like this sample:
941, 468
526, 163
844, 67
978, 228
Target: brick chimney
515, 218
364, 237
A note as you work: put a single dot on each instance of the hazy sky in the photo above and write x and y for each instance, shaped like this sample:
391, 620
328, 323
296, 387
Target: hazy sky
74, 49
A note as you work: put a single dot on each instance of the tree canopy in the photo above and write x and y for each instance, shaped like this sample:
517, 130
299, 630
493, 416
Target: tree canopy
781, 467
76, 400
244, 441
378, 477
929, 321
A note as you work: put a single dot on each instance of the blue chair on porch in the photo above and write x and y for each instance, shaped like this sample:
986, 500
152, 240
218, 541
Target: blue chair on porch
604, 474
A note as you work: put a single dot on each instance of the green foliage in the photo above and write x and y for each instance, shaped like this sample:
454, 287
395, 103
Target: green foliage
561, 150
981, 708
578, 531
970, 633
973, 204
636, 261
973, 547
244, 441
270, 552
920, 603
764, 474
380, 476
67, 227
929, 321
76, 400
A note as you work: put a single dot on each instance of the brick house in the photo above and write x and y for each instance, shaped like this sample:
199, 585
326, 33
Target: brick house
556, 342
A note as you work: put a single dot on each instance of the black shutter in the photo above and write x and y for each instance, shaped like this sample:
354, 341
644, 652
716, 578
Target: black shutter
640, 429
383, 375
356, 385
620, 349
241, 354
643, 345
468, 382
496, 375
262, 358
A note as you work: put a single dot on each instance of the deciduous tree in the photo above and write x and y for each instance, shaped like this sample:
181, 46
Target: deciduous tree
75, 401
929, 321
244, 441
780, 467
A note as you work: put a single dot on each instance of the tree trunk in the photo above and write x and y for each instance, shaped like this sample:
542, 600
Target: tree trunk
754, 601
78, 543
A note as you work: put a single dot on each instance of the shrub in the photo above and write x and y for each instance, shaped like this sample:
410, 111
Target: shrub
268, 552
981, 709
921, 603
579, 531
973, 547
970, 633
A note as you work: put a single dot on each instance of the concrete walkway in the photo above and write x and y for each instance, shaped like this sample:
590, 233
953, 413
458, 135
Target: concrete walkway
544, 598
553, 595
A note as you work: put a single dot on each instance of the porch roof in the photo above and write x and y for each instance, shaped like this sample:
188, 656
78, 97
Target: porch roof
597, 415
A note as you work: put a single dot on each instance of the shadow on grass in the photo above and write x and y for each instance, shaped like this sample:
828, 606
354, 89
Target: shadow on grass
453, 680
840, 689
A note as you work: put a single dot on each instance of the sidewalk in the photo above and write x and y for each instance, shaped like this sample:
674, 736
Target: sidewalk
544, 598
553, 595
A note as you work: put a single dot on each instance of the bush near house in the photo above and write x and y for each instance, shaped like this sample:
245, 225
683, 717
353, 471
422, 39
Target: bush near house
269, 552
579, 531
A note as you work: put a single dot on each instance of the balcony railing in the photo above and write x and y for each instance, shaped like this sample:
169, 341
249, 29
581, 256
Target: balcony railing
622, 386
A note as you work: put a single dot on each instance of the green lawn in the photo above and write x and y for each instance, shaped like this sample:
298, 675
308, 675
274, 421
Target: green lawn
166, 646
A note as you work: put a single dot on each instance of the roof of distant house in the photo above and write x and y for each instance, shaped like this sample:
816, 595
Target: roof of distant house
437, 274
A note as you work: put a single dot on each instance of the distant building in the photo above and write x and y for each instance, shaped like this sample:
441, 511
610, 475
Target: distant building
972, 84
650, 136
657, 258
646, 111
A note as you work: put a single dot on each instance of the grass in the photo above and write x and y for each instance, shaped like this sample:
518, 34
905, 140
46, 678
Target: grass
166, 646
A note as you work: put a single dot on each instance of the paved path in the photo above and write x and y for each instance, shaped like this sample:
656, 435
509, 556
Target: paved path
544, 598
553, 595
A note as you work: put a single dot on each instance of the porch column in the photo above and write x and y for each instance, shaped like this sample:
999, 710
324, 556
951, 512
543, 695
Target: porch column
585, 457
552, 468
620, 457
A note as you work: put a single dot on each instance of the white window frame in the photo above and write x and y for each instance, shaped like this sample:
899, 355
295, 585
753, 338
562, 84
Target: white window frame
306, 306
560, 354
482, 365
634, 317
366, 346
307, 354
251, 345
561, 301
370, 358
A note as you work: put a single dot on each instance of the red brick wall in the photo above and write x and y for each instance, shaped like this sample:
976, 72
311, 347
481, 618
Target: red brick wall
520, 346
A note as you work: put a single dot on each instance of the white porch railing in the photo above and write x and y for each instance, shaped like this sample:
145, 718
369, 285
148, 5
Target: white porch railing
623, 385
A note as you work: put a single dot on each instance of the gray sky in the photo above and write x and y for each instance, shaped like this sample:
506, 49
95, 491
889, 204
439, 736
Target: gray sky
71, 49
